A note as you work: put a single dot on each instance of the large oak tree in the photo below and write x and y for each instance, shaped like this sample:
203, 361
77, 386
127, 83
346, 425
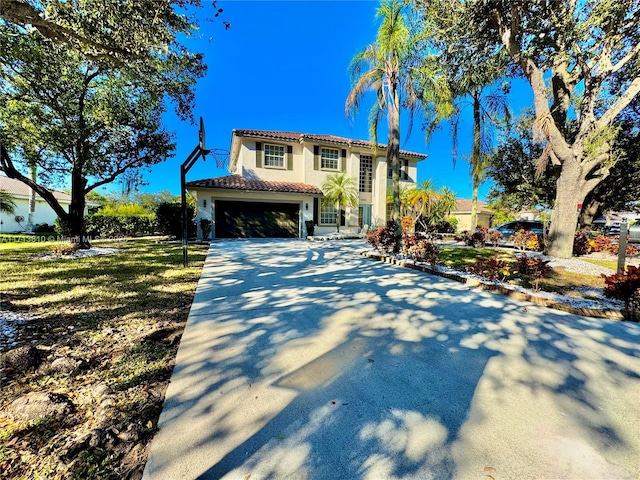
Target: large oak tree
85, 119
581, 60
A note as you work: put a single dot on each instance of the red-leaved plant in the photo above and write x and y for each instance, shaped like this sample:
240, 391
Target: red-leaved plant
624, 286
490, 269
425, 251
534, 266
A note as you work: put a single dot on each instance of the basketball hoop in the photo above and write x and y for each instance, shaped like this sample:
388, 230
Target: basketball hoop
221, 156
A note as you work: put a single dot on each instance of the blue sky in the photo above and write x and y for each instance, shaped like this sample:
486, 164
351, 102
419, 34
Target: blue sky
283, 66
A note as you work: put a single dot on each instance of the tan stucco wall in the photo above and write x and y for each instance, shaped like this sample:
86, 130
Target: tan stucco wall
303, 171
464, 220
208, 211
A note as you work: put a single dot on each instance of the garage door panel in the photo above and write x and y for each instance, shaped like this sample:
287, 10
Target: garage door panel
256, 220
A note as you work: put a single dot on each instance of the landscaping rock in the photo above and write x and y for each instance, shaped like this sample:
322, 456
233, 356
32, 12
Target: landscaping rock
132, 464
36, 405
100, 391
65, 365
22, 359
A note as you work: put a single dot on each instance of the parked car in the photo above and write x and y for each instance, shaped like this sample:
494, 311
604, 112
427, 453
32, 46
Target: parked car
611, 230
634, 233
509, 228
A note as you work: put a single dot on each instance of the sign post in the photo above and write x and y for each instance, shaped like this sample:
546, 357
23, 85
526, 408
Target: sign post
199, 151
622, 247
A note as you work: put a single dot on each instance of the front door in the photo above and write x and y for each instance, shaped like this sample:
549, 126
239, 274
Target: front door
364, 215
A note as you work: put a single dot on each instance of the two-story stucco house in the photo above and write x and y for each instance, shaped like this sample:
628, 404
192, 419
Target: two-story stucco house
274, 186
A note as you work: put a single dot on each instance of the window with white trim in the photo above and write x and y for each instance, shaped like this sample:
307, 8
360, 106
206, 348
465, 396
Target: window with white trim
274, 156
328, 214
329, 158
366, 173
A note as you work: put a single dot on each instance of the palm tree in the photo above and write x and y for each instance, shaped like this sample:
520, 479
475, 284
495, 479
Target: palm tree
396, 69
490, 108
430, 204
7, 205
340, 190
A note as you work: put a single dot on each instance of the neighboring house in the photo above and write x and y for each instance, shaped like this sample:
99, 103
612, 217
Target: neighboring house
275, 184
463, 213
20, 194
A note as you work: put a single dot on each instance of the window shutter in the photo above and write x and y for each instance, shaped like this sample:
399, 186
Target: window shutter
258, 154
289, 157
343, 160
316, 206
405, 173
316, 157
343, 218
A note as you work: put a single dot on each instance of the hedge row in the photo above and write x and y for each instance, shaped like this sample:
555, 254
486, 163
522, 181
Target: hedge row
121, 226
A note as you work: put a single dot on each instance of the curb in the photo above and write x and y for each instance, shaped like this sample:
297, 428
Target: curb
585, 312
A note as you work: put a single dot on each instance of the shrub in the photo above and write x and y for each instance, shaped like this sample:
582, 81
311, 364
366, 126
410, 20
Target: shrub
425, 251
446, 226
407, 224
410, 241
606, 244
119, 226
537, 267
526, 240
623, 286
581, 245
310, 226
385, 239
205, 226
169, 219
64, 248
490, 269
475, 239
494, 237
44, 228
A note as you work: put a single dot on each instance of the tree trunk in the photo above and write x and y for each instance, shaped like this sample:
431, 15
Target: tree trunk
393, 149
474, 206
564, 217
475, 159
338, 217
589, 210
33, 170
75, 220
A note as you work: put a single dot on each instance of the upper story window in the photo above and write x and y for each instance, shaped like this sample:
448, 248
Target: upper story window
403, 173
329, 158
366, 173
274, 156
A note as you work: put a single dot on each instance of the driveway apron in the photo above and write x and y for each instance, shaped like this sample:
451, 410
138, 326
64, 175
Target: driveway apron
305, 360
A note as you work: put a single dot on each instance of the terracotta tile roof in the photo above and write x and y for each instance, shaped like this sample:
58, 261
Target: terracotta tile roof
464, 205
19, 189
298, 137
236, 182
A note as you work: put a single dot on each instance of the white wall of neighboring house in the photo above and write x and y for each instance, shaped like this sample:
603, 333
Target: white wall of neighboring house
43, 214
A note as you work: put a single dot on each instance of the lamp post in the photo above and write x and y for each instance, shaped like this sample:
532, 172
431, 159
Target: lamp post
199, 151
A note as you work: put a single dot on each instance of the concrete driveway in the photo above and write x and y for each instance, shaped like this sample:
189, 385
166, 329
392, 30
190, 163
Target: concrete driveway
306, 360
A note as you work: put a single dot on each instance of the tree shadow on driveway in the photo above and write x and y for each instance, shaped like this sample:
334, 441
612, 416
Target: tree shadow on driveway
307, 361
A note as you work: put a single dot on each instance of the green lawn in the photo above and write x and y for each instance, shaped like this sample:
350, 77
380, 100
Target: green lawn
122, 315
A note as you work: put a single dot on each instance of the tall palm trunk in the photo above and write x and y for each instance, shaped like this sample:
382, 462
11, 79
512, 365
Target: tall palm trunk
476, 170
33, 170
393, 146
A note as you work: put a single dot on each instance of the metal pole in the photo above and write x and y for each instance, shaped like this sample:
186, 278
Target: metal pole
622, 247
185, 230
